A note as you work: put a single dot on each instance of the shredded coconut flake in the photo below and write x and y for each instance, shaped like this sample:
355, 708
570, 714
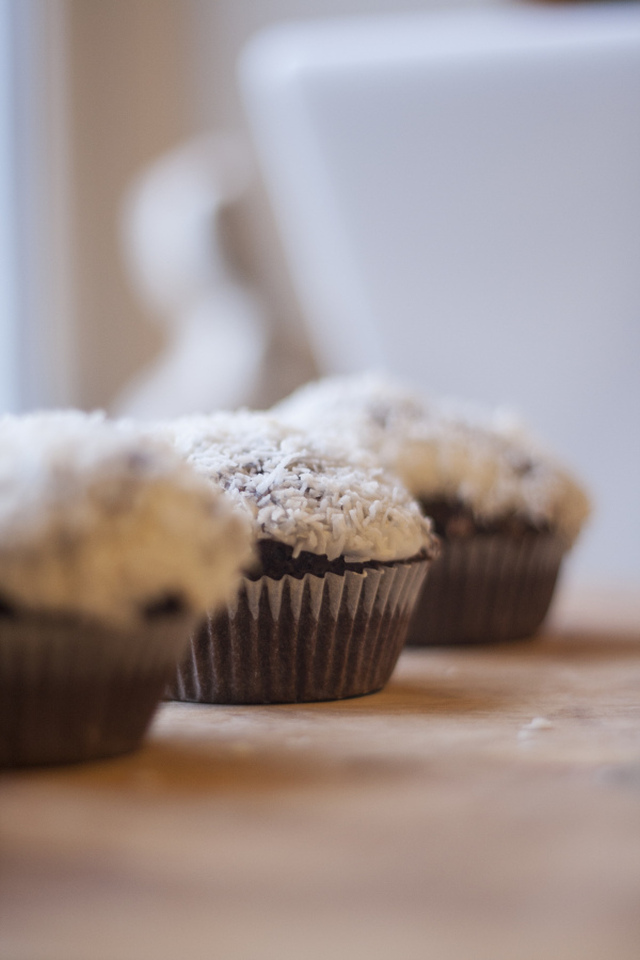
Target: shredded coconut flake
98, 519
445, 449
304, 490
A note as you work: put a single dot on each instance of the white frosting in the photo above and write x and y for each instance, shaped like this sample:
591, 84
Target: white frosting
98, 519
445, 449
304, 490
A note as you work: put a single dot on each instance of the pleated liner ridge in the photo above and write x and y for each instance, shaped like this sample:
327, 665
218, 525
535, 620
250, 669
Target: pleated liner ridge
490, 587
293, 640
73, 689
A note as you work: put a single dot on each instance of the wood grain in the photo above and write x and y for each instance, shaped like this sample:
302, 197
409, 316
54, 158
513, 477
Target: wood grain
431, 820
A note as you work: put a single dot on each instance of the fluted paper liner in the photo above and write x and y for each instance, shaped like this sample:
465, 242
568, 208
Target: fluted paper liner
487, 588
293, 640
73, 689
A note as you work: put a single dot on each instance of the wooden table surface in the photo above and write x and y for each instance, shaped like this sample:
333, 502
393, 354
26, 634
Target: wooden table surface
485, 805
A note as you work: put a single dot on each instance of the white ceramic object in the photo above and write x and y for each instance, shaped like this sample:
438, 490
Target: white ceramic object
459, 196
175, 249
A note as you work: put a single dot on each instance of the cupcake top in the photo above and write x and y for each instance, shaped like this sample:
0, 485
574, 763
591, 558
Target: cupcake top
98, 519
446, 450
304, 490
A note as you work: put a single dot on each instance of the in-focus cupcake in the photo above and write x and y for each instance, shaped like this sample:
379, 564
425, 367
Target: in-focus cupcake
343, 551
111, 547
506, 511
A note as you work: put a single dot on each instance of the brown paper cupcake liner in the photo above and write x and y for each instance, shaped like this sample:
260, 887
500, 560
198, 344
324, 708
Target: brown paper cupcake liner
294, 640
491, 587
74, 690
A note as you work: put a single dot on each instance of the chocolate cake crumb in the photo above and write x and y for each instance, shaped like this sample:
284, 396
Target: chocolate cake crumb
454, 520
276, 560
7, 609
169, 605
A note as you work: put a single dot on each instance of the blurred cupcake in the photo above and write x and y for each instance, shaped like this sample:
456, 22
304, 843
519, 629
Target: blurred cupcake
110, 548
506, 511
342, 554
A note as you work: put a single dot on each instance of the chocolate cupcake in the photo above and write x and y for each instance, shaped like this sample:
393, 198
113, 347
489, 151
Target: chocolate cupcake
111, 547
342, 554
505, 510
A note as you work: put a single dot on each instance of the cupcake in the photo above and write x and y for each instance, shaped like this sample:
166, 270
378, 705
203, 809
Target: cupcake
342, 553
505, 510
111, 547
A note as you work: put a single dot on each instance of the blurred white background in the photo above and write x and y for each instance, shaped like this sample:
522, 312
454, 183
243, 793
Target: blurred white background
94, 92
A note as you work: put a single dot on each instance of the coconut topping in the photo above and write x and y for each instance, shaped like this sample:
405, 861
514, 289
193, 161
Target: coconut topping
304, 490
98, 519
445, 449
